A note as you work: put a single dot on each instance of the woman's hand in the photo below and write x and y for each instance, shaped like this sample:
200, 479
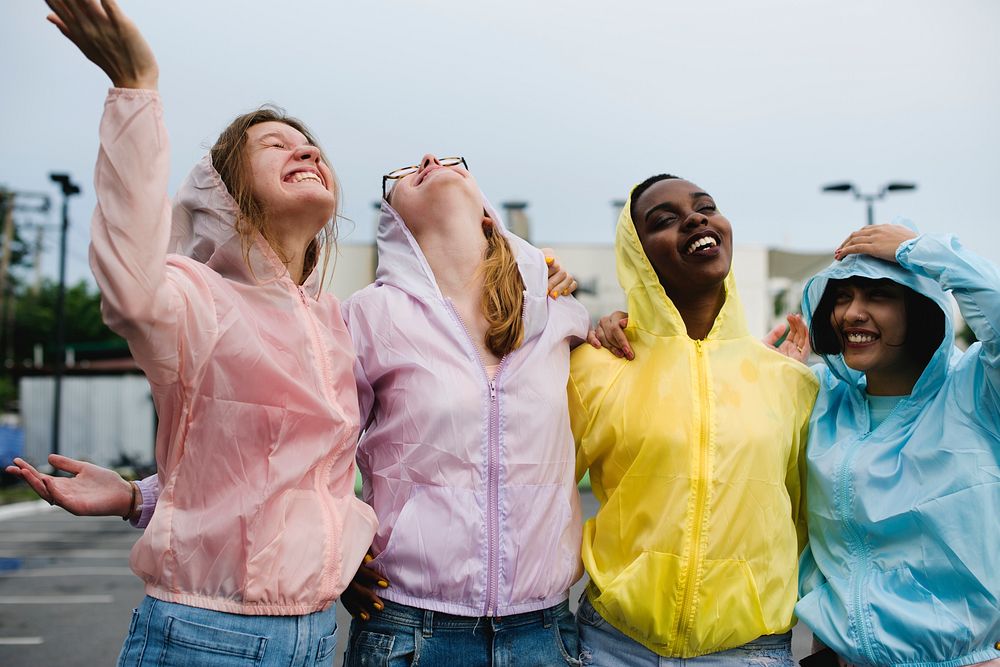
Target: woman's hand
561, 282
796, 343
610, 333
92, 491
359, 599
879, 241
108, 39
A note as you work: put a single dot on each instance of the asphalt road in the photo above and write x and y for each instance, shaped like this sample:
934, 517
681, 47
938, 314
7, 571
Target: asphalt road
66, 592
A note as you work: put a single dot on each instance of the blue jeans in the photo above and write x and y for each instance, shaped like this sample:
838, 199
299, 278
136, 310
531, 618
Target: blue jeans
165, 634
604, 646
402, 635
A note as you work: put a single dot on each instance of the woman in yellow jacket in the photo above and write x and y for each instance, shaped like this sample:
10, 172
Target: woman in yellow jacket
694, 450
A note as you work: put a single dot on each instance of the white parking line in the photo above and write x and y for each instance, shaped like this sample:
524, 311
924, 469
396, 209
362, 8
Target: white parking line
68, 553
20, 641
70, 572
56, 599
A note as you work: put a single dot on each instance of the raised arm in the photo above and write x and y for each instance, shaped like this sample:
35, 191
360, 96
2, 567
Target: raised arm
130, 231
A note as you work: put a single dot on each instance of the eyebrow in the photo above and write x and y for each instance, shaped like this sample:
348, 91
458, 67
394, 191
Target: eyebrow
668, 205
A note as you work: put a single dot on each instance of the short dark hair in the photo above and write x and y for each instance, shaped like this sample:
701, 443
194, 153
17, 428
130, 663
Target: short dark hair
924, 320
638, 190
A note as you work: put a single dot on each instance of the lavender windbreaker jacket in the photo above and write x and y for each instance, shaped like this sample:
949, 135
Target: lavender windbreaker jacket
252, 378
472, 480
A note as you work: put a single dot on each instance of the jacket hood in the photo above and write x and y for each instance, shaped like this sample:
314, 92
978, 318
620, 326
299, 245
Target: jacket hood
401, 263
649, 307
203, 228
870, 267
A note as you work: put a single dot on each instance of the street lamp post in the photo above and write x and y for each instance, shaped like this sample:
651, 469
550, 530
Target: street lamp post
69, 188
869, 199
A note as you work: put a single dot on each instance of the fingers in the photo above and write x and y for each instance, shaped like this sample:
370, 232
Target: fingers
610, 332
66, 464
594, 341
621, 340
37, 483
772, 337
58, 22
112, 11
559, 282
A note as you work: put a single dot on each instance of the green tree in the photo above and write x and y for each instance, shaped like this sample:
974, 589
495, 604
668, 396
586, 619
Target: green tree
35, 322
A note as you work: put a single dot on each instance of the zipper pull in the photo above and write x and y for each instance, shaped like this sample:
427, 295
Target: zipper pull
493, 390
302, 295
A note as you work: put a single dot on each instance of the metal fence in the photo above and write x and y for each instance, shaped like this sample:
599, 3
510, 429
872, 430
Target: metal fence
105, 418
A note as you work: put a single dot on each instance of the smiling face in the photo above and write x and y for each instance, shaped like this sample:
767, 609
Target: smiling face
869, 318
434, 192
687, 240
287, 173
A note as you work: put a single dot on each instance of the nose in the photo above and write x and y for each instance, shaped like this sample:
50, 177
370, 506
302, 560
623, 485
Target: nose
428, 160
856, 311
696, 219
307, 153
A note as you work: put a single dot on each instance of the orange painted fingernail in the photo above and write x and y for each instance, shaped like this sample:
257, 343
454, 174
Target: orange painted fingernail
566, 292
379, 606
364, 616
554, 294
549, 260
368, 558
383, 583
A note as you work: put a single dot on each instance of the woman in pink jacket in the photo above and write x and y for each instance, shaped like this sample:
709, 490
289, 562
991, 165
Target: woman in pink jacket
257, 528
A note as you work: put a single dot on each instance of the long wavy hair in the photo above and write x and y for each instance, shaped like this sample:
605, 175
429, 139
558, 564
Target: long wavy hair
503, 293
229, 157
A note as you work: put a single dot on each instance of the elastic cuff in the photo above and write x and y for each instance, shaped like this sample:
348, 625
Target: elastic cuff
132, 93
147, 505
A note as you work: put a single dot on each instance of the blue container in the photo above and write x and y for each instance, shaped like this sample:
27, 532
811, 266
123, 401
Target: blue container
11, 444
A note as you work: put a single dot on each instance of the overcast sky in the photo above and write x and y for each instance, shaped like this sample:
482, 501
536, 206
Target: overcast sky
563, 104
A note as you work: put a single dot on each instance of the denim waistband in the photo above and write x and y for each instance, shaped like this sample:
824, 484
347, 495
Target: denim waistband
428, 620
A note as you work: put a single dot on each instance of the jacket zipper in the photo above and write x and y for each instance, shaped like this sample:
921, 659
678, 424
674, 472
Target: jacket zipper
492, 472
328, 581
857, 541
701, 495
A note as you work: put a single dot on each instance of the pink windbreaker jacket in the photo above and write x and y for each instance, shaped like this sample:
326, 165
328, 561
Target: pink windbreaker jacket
252, 380
472, 479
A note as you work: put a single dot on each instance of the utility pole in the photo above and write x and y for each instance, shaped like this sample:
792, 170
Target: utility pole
69, 188
7, 206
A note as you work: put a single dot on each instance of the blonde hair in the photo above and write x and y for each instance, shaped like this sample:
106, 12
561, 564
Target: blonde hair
229, 157
503, 293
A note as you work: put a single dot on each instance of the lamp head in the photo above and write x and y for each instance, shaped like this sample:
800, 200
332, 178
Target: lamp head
66, 183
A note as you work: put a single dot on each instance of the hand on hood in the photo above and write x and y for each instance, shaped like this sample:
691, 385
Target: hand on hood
879, 241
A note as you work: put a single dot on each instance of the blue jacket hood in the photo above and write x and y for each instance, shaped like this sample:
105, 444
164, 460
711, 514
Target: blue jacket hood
869, 267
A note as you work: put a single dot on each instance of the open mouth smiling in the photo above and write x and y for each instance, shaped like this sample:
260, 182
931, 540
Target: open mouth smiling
705, 243
301, 175
859, 337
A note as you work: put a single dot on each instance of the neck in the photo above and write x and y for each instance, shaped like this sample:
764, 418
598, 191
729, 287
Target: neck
893, 382
453, 247
699, 309
290, 242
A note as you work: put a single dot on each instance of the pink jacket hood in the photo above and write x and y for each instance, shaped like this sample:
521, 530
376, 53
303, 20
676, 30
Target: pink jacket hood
203, 219
472, 478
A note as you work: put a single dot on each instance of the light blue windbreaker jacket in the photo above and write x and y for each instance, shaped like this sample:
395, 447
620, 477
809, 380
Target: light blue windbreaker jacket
903, 562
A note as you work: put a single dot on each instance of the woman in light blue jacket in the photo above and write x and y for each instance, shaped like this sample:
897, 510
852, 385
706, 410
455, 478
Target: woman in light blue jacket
903, 562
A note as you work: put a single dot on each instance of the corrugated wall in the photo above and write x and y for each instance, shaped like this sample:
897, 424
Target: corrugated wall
103, 417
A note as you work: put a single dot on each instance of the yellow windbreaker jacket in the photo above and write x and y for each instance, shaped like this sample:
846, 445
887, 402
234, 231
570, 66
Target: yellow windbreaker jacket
695, 451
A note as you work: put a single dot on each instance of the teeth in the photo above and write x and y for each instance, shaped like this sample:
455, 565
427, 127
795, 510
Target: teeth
859, 338
703, 242
300, 176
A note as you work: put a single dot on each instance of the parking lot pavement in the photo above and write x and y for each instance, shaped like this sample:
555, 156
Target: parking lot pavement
66, 591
